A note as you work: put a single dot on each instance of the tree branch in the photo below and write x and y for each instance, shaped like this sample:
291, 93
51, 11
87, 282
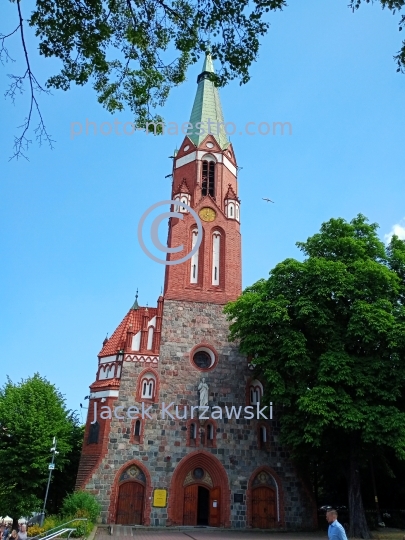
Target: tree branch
21, 143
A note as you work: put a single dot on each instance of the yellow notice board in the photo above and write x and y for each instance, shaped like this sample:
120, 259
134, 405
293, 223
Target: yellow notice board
160, 498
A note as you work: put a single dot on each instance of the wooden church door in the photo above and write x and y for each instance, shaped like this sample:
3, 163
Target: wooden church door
130, 504
215, 509
264, 508
190, 505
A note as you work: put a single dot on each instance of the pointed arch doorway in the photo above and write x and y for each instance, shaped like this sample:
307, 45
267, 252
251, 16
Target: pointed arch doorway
265, 500
131, 497
200, 492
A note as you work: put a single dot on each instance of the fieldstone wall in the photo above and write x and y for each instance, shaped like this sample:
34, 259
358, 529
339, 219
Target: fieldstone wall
185, 326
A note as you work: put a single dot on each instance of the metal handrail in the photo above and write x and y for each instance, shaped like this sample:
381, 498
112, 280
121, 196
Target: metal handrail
59, 527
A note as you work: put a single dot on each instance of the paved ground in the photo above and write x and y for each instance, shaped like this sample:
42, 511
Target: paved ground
204, 534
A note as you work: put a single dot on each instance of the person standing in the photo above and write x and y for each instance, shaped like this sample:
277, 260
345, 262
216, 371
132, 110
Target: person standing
6, 532
335, 530
22, 534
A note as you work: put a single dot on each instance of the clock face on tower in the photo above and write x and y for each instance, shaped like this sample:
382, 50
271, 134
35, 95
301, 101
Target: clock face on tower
207, 214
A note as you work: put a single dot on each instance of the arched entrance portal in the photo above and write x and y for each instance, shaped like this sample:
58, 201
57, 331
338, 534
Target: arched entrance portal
131, 497
264, 501
199, 492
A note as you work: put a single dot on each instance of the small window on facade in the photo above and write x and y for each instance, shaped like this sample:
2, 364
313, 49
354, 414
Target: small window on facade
93, 433
255, 392
137, 432
263, 438
231, 211
193, 434
202, 359
148, 388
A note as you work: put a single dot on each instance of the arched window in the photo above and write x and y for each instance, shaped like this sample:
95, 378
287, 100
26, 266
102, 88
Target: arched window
194, 258
137, 432
208, 177
193, 434
255, 392
148, 386
216, 248
263, 441
210, 435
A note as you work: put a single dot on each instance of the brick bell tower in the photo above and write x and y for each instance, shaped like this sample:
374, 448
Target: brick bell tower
184, 469
205, 178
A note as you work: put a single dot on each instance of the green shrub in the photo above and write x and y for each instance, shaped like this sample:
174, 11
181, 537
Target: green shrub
83, 528
81, 504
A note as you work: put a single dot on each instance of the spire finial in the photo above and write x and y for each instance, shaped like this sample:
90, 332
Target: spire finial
135, 305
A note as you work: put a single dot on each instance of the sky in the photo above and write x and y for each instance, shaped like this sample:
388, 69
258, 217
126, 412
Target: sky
70, 258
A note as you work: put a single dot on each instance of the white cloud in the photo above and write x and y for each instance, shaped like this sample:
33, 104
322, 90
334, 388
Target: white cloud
398, 229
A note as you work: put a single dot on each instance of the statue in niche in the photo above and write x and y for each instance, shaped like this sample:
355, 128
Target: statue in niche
203, 389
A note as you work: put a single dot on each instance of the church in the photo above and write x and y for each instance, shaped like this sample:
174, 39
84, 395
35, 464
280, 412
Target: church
176, 434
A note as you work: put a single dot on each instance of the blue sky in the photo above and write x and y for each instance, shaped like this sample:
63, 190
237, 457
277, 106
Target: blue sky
71, 261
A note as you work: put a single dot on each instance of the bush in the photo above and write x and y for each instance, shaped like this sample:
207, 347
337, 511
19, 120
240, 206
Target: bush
81, 504
34, 530
83, 528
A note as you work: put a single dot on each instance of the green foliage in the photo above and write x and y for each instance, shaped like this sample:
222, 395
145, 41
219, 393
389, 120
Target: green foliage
328, 337
81, 504
32, 412
328, 334
83, 528
135, 52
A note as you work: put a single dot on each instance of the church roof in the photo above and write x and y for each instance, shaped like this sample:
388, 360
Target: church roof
183, 188
133, 318
207, 107
231, 193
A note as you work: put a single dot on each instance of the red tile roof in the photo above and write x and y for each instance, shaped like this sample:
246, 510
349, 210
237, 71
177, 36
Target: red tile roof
105, 383
117, 341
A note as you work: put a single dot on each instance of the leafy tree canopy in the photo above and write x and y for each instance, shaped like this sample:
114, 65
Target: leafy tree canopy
134, 52
32, 412
327, 335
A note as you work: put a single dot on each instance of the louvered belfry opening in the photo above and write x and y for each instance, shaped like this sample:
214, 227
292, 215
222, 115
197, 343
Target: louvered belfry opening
208, 178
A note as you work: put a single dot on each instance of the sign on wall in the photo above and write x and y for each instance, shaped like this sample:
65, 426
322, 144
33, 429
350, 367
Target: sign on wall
160, 498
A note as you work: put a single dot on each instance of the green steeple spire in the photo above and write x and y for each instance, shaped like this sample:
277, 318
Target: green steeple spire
135, 305
207, 107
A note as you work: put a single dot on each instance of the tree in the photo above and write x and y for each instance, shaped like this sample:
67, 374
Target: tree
135, 51
32, 412
328, 337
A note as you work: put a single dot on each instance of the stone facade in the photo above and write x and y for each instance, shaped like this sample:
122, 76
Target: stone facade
185, 325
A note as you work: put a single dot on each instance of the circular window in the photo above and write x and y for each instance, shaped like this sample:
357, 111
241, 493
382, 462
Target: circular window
186, 148
198, 473
209, 145
202, 360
